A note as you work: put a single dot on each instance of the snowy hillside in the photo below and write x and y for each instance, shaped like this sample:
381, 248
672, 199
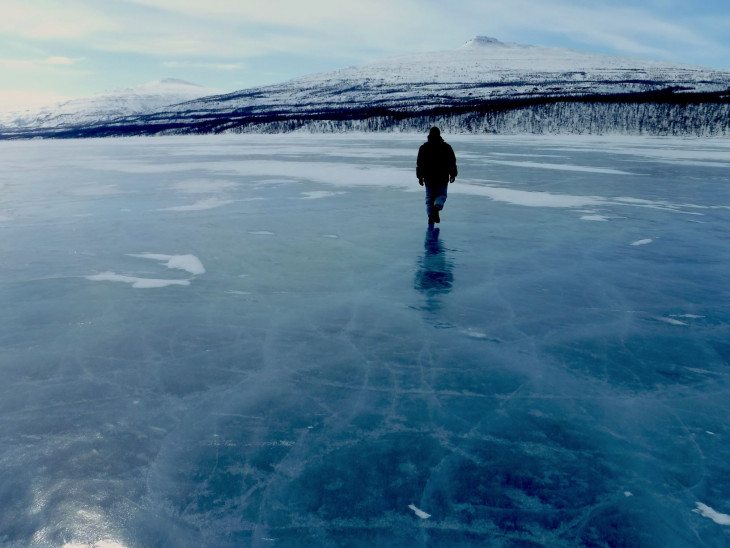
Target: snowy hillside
483, 86
108, 105
482, 69
486, 67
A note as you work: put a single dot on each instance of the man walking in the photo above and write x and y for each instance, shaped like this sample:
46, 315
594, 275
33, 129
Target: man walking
436, 168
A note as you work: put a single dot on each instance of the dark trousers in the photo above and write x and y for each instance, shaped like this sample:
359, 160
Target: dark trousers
435, 196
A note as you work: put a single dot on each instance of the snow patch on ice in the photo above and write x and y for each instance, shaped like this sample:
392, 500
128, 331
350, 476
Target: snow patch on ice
527, 198
204, 186
188, 263
670, 321
420, 513
137, 283
200, 205
104, 543
699, 371
640, 202
474, 334
642, 242
548, 199
561, 167
317, 194
100, 190
717, 517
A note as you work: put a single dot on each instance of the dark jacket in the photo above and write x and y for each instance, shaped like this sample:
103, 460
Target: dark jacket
436, 162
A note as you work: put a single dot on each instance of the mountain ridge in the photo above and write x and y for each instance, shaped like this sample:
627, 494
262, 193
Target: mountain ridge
107, 105
475, 88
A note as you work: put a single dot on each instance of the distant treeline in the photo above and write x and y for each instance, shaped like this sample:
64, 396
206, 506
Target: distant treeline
661, 119
654, 113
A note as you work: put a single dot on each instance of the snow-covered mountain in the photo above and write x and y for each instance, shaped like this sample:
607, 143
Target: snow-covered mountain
485, 85
108, 105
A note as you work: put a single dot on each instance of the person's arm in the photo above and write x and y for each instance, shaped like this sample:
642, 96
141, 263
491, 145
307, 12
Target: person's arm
419, 163
453, 171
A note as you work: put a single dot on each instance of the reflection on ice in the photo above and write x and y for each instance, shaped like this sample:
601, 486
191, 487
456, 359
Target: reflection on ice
435, 275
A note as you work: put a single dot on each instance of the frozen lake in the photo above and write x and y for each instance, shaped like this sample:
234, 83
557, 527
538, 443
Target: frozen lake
257, 341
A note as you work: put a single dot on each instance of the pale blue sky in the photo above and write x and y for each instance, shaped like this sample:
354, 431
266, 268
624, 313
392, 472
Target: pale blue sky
56, 49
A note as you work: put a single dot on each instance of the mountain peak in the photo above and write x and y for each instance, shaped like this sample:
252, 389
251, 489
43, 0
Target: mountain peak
480, 41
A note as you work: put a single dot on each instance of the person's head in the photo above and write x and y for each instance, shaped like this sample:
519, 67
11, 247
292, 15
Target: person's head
435, 134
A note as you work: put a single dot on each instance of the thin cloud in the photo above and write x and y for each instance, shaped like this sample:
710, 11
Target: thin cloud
12, 100
330, 28
46, 20
232, 29
209, 66
627, 30
289, 13
39, 64
60, 61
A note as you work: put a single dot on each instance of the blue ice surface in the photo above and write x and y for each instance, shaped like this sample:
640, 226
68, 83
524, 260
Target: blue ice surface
546, 367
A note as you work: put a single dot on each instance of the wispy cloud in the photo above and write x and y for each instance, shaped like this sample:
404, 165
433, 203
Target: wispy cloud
290, 13
39, 64
235, 29
207, 66
49, 20
19, 99
617, 28
404, 25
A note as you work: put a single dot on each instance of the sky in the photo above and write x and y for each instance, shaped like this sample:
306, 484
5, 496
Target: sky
52, 50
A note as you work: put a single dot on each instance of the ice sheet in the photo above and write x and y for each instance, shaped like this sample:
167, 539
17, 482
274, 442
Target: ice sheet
312, 365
